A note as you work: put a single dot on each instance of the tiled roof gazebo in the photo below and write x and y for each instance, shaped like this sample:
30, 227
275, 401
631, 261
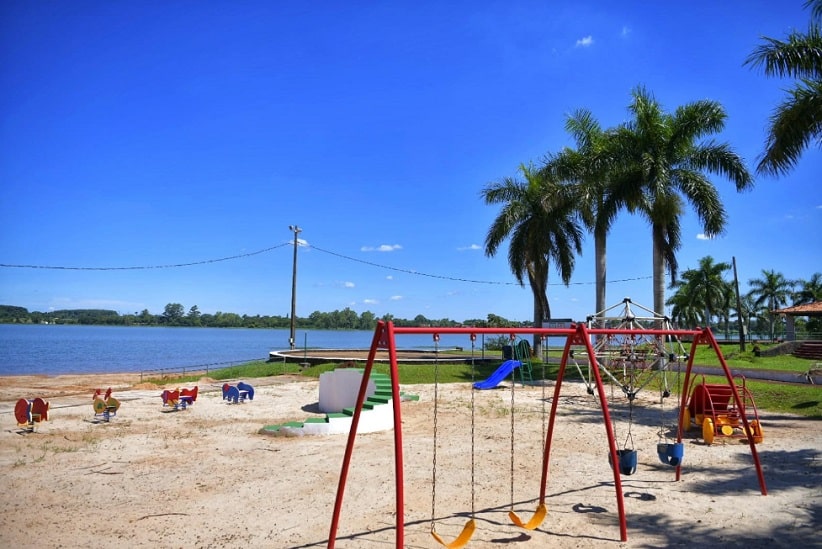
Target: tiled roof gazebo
806, 309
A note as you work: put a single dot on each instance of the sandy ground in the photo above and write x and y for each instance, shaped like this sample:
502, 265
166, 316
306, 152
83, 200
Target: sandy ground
205, 477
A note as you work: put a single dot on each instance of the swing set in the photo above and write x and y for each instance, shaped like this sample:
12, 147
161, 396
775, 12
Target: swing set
577, 336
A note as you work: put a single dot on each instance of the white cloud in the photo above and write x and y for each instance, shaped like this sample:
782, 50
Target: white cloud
703, 236
396, 297
389, 277
370, 301
585, 42
381, 248
348, 284
469, 247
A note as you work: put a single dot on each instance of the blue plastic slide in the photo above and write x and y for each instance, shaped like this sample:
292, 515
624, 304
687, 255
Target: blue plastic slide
499, 375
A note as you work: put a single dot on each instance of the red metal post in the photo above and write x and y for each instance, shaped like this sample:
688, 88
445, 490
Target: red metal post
709, 336
352, 434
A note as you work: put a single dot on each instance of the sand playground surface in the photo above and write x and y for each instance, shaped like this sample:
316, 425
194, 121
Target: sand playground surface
205, 477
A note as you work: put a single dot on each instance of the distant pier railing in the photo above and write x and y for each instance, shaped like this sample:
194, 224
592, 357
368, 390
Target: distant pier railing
192, 369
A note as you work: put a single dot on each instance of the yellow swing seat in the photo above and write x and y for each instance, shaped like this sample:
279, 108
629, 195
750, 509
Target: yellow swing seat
534, 521
462, 540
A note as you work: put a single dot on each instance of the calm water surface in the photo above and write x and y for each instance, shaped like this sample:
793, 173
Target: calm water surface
30, 349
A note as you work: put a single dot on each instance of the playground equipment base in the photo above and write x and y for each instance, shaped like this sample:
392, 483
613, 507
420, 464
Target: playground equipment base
378, 410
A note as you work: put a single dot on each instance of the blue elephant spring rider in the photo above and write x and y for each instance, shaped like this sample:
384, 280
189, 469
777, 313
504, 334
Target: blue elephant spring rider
235, 394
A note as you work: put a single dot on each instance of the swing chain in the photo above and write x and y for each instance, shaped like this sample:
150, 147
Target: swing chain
630, 436
434, 459
473, 376
513, 386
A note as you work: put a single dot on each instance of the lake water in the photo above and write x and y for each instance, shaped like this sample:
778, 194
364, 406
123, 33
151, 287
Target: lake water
33, 349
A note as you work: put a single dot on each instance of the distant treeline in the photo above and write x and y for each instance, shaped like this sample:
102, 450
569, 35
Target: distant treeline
176, 315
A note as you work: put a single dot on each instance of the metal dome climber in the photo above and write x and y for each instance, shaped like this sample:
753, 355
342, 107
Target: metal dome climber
577, 335
628, 357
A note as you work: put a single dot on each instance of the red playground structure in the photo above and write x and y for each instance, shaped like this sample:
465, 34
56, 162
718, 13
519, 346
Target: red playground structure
710, 406
179, 399
31, 412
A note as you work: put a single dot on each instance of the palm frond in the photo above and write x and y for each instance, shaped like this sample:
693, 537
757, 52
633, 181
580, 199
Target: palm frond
793, 125
800, 56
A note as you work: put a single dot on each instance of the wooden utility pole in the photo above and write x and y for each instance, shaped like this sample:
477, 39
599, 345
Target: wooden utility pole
296, 231
739, 314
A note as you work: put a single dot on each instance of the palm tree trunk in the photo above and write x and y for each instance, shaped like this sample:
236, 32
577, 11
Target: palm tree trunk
659, 271
601, 276
538, 316
542, 309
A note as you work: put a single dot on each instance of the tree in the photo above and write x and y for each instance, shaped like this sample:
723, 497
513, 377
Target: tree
706, 288
753, 315
346, 319
662, 165
773, 291
420, 320
367, 321
538, 218
809, 291
194, 315
588, 168
683, 310
797, 121
173, 313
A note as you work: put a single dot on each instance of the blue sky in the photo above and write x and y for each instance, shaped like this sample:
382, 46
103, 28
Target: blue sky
165, 133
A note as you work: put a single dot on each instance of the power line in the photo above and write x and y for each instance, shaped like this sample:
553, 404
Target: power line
457, 279
138, 267
342, 256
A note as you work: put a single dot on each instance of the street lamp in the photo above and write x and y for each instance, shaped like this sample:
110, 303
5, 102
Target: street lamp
296, 231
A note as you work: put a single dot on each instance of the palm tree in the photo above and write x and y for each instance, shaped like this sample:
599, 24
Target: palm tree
727, 302
706, 289
538, 217
773, 291
797, 121
684, 312
751, 313
588, 168
809, 291
663, 165
709, 286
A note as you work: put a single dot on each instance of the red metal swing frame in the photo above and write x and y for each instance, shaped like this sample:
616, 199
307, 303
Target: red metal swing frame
578, 334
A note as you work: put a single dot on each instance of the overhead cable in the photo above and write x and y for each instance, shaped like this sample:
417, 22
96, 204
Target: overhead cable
342, 256
138, 267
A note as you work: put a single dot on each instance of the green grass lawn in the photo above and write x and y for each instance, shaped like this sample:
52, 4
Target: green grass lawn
801, 399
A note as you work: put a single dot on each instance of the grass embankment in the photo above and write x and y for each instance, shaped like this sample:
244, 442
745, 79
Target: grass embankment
801, 399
